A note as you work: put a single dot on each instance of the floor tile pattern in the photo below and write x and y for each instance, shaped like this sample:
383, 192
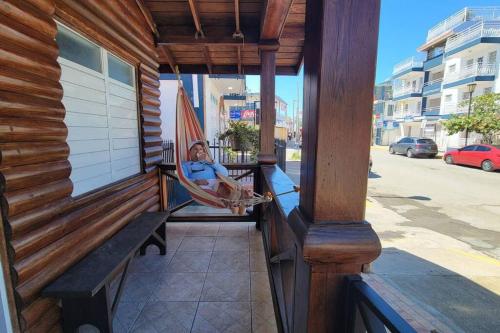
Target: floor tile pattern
213, 279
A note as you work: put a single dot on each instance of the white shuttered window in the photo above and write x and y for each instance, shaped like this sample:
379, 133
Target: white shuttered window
101, 113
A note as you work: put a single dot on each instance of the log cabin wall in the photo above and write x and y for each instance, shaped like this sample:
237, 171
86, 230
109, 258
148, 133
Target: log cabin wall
46, 230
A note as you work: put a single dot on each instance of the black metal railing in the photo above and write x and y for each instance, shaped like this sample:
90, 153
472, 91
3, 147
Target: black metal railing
222, 153
367, 311
175, 197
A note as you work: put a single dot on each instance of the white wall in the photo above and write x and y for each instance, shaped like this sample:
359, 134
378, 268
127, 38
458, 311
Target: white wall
211, 99
168, 99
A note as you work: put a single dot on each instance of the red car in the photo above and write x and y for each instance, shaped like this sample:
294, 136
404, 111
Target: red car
485, 156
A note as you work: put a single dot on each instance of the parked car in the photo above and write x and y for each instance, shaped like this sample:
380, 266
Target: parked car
485, 156
413, 147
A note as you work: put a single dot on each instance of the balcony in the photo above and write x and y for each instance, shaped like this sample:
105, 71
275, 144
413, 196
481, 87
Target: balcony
401, 114
481, 32
400, 93
431, 111
432, 87
235, 97
466, 14
434, 59
408, 65
471, 73
453, 108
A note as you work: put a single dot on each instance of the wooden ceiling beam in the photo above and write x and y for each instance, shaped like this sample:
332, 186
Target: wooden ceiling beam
274, 18
208, 60
148, 17
164, 52
207, 41
239, 59
196, 18
226, 69
237, 32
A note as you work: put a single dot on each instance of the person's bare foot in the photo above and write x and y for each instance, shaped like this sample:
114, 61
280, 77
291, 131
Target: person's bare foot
242, 210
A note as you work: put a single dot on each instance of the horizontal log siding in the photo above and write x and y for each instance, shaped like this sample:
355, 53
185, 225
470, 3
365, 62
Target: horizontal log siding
47, 231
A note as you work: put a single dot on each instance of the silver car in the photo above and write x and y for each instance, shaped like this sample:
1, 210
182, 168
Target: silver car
414, 147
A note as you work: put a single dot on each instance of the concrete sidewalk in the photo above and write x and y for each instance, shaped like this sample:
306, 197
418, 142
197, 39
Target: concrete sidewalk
438, 282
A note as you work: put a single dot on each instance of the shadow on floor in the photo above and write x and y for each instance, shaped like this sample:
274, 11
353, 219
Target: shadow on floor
413, 197
213, 279
456, 301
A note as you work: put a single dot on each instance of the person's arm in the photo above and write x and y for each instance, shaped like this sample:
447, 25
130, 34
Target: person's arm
220, 169
185, 170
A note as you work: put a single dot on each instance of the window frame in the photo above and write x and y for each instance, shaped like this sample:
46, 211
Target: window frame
104, 74
471, 146
483, 149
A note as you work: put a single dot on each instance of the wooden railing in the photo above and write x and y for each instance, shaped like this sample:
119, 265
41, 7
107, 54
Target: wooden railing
291, 267
174, 197
366, 311
283, 253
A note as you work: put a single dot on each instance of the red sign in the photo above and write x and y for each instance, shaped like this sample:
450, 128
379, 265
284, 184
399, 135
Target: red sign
247, 114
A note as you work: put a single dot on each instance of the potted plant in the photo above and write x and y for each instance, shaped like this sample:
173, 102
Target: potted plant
241, 136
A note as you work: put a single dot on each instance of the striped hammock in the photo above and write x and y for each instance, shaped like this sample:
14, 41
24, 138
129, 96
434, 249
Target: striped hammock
188, 130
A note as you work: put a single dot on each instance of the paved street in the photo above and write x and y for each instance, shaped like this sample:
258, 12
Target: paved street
440, 232
457, 201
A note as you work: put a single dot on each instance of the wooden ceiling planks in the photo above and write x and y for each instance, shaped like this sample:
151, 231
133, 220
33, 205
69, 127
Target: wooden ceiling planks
218, 52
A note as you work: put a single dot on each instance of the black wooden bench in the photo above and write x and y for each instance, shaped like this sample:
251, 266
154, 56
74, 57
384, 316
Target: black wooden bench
85, 288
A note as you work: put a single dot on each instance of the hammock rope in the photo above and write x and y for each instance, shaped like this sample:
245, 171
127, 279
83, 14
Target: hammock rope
188, 130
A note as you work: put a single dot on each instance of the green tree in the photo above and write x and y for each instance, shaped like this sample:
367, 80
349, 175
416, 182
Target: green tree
484, 118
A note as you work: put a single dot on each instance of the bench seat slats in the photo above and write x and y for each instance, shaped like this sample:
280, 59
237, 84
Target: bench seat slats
87, 277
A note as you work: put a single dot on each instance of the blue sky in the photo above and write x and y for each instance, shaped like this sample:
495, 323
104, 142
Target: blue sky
403, 28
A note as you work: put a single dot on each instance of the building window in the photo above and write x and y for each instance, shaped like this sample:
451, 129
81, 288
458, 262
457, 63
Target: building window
390, 110
469, 63
452, 68
492, 57
488, 90
100, 99
406, 108
465, 96
447, 98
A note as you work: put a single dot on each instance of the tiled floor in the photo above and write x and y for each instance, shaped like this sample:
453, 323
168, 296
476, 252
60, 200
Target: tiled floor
213, 279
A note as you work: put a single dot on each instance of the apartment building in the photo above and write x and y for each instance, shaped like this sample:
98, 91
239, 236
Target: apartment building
212, 97
385, 128
461, 57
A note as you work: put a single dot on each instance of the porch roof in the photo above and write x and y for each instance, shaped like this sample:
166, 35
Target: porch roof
224, 37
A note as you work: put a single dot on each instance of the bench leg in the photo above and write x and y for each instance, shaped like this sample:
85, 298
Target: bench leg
158, 238
93, 310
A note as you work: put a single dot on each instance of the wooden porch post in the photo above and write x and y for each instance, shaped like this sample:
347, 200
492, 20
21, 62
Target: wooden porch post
267, 97
339, 70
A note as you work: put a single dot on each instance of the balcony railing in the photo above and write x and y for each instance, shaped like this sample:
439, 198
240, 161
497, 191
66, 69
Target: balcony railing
400, 91
466, 14
412, 62
400, 114
432, 109
477, 69
453, 108
478, 30
447, 24
433, 82
435, 52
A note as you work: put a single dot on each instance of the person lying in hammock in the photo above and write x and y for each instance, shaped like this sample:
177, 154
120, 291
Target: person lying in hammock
202, 172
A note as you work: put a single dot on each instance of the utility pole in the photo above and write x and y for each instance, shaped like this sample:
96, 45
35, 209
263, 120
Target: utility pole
297, 121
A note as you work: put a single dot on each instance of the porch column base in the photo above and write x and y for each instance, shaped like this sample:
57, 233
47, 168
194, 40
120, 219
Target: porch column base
330, 251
